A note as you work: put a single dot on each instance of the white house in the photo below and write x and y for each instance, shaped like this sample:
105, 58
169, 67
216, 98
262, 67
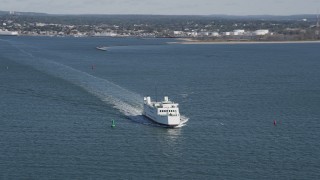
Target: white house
238, 32
226, 33
261, 32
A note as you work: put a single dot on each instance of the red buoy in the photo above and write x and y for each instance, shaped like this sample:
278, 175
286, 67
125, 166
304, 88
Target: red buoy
274, 122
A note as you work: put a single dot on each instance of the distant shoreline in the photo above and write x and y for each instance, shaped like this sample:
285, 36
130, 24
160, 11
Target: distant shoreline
194, 42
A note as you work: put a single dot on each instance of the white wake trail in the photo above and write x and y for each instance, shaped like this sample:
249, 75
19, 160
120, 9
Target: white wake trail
127, 102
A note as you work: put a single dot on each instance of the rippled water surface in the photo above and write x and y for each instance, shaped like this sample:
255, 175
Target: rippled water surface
59, 95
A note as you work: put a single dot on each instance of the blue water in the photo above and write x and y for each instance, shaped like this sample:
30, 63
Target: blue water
59, 95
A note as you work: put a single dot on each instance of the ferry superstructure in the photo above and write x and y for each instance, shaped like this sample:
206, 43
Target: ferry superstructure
164, 112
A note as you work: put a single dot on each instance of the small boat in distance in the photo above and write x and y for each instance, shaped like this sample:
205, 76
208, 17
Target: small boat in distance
102, 48
165, 112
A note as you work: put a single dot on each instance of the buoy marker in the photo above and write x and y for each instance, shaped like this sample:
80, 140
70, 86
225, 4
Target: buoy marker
113, 124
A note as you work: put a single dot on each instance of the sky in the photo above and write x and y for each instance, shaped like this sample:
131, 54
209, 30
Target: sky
165, 7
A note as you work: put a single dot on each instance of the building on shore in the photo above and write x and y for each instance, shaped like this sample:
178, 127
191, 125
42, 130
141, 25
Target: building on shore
261, 32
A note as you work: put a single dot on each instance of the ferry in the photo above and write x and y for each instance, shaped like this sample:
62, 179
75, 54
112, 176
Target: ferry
165, 112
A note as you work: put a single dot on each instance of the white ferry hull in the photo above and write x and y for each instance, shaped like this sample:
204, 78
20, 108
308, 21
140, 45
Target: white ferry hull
167, 121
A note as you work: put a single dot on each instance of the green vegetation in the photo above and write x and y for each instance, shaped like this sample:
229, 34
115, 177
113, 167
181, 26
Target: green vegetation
303, 27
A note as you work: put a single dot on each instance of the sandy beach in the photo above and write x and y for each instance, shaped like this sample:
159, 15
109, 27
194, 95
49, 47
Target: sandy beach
191, 41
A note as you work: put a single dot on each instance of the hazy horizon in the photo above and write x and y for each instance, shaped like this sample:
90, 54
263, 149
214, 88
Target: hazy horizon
79, 14
165, 7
